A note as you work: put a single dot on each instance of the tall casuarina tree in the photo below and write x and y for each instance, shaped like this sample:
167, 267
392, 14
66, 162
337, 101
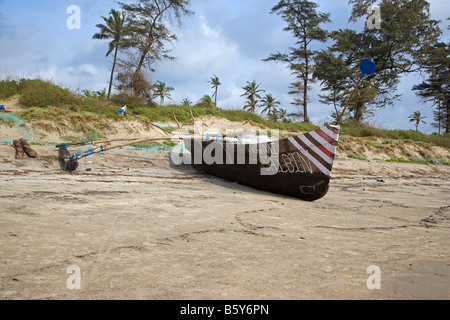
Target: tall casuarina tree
436, 87
400, 46
114, 29
303, 21
149, 32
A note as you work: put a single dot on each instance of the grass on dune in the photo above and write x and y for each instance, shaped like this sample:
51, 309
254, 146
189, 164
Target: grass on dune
42, 100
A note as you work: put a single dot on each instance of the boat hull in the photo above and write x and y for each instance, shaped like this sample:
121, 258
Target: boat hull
299, 166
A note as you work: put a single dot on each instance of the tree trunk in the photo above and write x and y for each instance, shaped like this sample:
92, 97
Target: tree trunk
139, 67
135, 76
358, 111
439, 117
335, 102
447, 127
305, 89
112, 74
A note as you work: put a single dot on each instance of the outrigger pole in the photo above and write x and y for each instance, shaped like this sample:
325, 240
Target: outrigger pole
69, 162
367, 67
125, 113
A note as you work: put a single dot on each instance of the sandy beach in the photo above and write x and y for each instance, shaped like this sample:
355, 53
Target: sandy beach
137, 227
346, 104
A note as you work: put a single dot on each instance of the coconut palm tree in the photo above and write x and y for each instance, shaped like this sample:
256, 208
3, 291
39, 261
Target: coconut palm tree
269, 103
276, 115
161, 90
114, 28
87, 94
273, 115
251, 104
186, 102
215, 85
417, 118
252, 90
206, 102
284, 116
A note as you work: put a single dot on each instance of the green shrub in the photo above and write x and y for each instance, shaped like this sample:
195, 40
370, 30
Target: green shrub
357, 156
165, 114
421, 161
132, 102
402, 160
296, 126
42, 94
8, 89
356, 129
97, 106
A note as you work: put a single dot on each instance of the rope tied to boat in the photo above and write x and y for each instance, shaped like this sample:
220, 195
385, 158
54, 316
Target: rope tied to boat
81, 154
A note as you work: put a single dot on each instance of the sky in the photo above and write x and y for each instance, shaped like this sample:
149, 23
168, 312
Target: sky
225, 38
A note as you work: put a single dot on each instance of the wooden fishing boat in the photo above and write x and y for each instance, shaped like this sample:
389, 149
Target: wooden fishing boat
298, 166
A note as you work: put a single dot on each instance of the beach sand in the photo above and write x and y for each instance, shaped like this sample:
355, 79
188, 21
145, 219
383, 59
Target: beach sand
137, 227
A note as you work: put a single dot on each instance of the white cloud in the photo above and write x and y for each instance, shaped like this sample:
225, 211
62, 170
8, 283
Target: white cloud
232, 93
89, 69
202, 51
208, 32
51, 74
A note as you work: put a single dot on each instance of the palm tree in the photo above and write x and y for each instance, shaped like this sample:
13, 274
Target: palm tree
417, 118
186, 102
284, 116
206, 102
162, 91
215, 85
87, 94
114, 28
273, 115
269, 103
252, 90
101, 94
251, 104
279, 115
